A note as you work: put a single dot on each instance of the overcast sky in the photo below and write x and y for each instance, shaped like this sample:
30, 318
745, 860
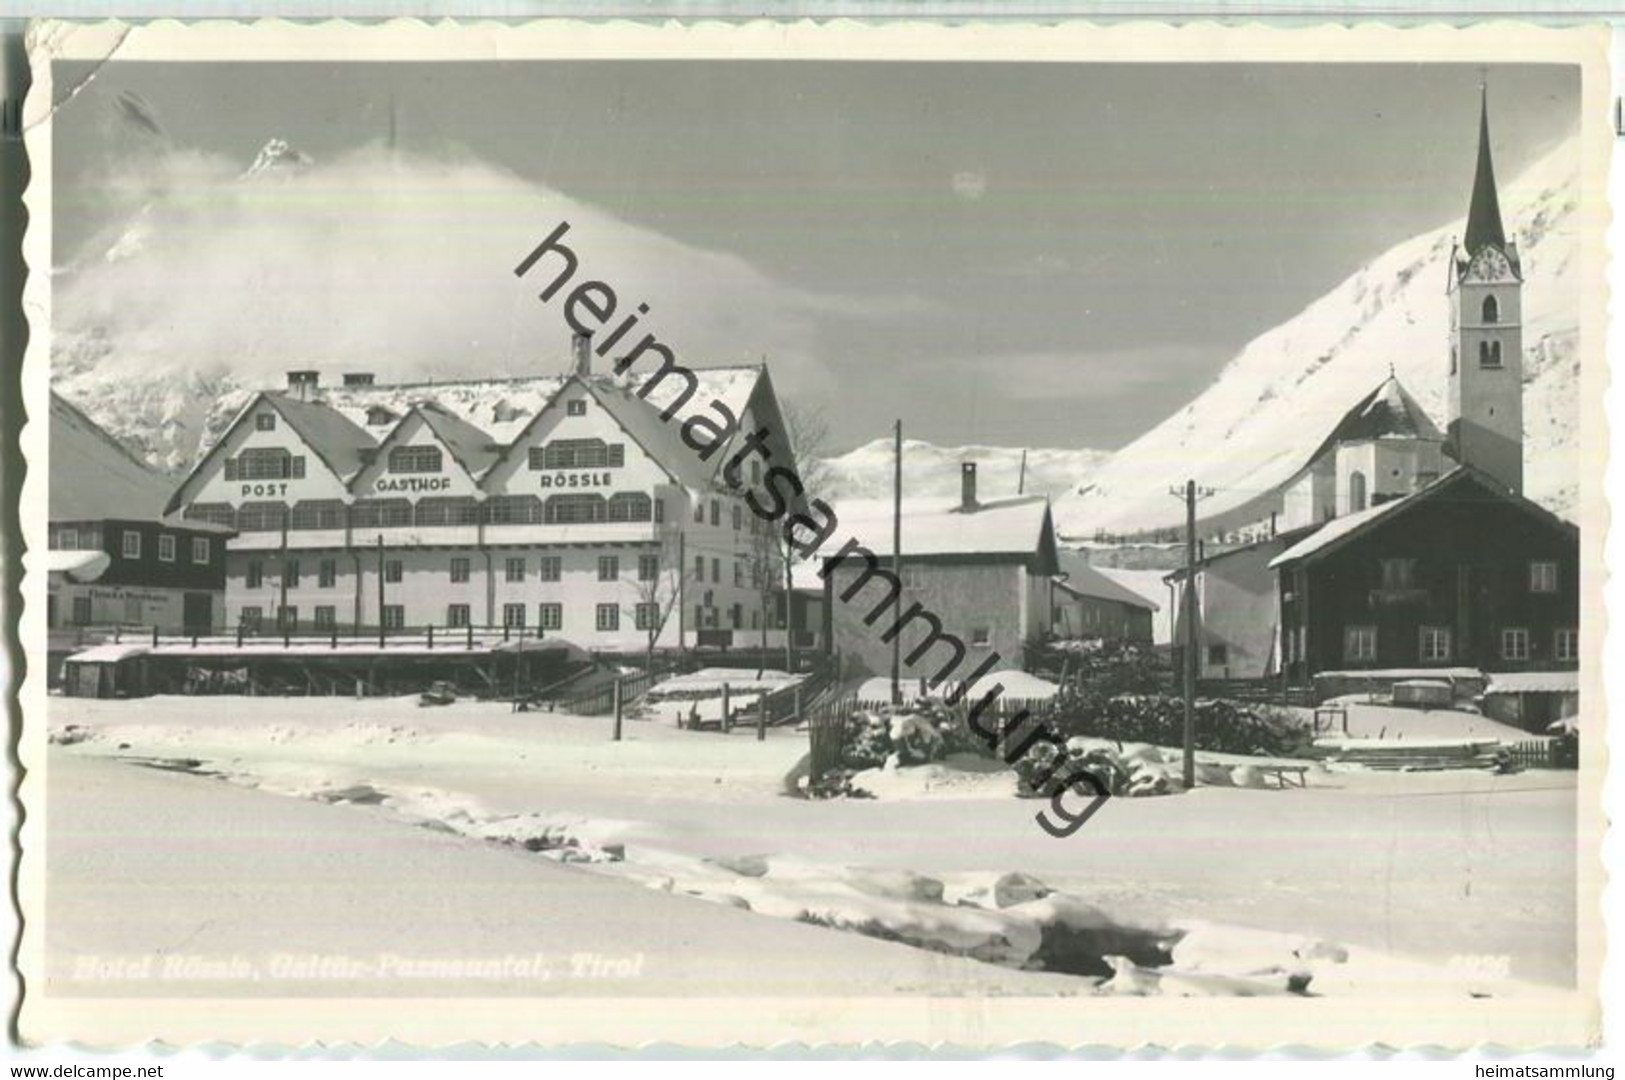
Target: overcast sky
1022, 254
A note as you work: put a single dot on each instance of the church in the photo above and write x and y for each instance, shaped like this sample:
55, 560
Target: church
1401, 545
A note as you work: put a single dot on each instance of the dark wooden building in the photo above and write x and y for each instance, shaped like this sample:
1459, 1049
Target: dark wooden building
1463, 573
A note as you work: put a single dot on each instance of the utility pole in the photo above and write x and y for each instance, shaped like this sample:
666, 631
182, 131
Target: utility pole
380, 590
1021, 479
897, 562
1190, 493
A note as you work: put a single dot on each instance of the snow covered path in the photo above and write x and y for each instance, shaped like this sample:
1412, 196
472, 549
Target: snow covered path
1438, 867
145, 863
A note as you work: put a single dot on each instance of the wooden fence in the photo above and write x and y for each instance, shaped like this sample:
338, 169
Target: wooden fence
1544, 754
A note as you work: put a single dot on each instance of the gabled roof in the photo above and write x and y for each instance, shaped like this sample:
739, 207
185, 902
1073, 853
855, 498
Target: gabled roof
1484, 213
331, 436
1079, 578
1018, 526
472, 447
1388, 411
94, 476
1339, 531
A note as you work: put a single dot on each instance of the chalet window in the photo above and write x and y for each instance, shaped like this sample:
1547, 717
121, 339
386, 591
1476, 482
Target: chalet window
441, 510
913, 576
739, 574
609, 567
514, 510
551, 617
514, 570
380, 513
513, 616
166, 547
327, 573
648, 616
755, 473
1360, 643
648, 567
393, 571
326, 617
415, 459
1543, 577
317, 514
575, 509
716, 570
65, 540
609, 617
1566, 645
1489, 354
265, 421
660, 509
577, 454
736, 616
1356, 491
716, 512
699, 568
1398, 574
457, 615
264, 463
578, 407
1491, 310
200, 549
981, 637
459, 571
1435, 644
699, 513
130, 544
250, 618
290, 573
549, 567
738, 517
287, 619
214, 513
1515, 643
394, 616
261, 516
254, 577
1218, 655
630, 506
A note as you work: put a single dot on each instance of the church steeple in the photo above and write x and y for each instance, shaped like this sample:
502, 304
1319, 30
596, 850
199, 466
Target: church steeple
1484, 214
1485, 428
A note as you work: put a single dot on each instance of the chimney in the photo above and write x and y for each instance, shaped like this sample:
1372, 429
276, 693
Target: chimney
967, 486
305, 382
358, 378
581, 352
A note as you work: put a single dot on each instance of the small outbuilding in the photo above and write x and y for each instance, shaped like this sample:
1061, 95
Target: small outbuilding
1532, 700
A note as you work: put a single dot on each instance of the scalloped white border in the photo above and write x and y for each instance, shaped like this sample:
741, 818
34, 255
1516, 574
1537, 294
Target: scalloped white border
1321, 1026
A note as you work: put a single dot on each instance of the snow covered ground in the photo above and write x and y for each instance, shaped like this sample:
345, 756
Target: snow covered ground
1409, 873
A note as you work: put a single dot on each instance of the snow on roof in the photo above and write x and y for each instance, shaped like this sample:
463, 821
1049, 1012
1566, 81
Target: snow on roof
472, 447
107, 654
81, 566
1337, 528
1014, 526
1534, 682
478, 417
1340, 529
93, 476
338, 441
1082, 579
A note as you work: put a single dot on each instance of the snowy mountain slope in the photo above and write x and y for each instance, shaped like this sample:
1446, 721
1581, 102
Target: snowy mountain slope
932, 471
1280, 396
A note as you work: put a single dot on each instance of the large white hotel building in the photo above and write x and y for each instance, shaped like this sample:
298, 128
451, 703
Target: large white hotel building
561, 503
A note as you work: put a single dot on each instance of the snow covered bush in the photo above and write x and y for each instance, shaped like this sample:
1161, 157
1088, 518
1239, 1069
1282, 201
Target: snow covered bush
1120, 771
916, 733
